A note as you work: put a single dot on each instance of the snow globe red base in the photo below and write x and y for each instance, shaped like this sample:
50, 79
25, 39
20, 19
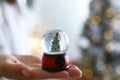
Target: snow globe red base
55, 44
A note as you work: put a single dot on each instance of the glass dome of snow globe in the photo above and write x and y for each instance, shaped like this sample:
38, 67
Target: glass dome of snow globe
55, 42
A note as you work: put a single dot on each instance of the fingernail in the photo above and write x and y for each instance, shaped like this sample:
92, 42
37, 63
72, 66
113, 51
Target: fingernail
25, 73
80, 76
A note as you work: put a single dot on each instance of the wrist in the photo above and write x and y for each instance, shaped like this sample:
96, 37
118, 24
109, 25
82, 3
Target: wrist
0, 75
1, 61
0, 71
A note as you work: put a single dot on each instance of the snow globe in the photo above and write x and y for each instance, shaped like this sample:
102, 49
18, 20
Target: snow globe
55, 44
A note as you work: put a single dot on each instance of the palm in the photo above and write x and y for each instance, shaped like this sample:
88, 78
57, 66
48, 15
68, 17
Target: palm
31, 61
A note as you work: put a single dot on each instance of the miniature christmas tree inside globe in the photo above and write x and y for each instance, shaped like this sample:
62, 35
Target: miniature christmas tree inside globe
55, 42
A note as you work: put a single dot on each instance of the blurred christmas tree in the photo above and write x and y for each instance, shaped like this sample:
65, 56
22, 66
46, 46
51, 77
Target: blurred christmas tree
101, 59
55, 44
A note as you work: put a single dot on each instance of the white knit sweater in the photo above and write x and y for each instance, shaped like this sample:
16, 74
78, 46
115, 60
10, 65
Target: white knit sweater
14, 33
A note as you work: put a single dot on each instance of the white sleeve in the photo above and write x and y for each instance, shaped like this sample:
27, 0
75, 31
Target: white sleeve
4, 46
14, 34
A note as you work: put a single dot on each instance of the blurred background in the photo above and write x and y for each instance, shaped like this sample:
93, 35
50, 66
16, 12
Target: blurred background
96, 23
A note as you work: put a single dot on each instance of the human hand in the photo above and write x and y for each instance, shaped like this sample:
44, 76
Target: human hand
16, 67
38, 73
12, 68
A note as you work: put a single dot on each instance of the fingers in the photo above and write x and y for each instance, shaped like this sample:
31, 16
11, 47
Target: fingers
41, 74
62, 74
23, 69
12, 68
19, 67
74, 71
38, 73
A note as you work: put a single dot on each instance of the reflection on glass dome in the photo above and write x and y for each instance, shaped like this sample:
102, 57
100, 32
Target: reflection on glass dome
55, 42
